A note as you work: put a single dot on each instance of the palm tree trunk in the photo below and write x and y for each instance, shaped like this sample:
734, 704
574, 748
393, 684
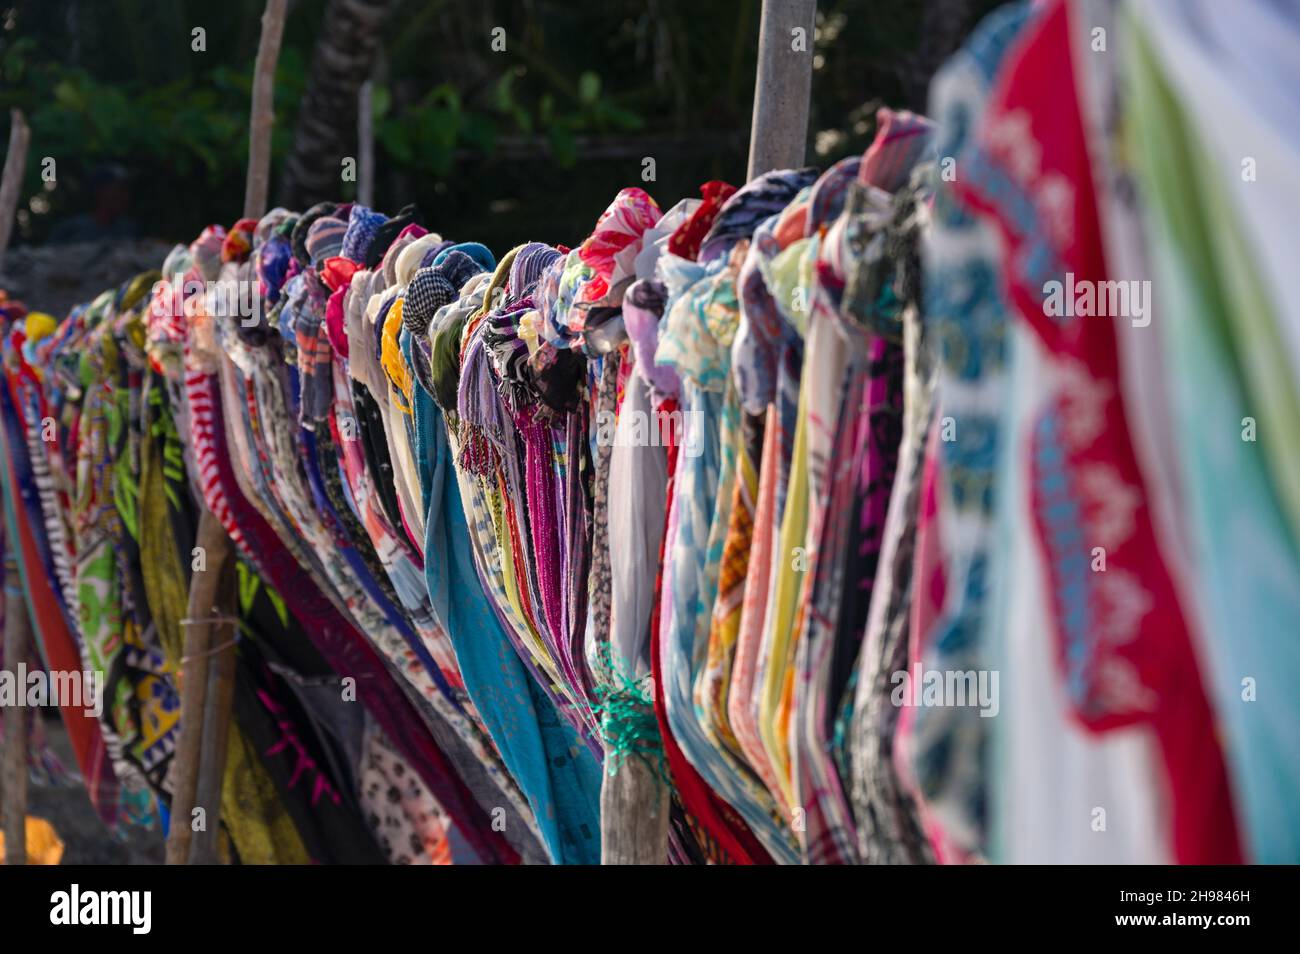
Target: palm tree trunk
325, 132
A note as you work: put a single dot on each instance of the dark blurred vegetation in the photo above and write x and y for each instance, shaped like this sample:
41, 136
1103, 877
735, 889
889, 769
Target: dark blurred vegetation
530, 143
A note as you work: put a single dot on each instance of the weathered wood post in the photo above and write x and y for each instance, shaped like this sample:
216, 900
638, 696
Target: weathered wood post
636, 797
11, 181
18, 625
17, 639
782, 86
208, 664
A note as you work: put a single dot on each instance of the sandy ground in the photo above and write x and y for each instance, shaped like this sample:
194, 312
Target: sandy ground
86, 840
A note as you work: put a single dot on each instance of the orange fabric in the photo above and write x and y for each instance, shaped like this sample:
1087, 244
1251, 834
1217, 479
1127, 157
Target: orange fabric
44, 847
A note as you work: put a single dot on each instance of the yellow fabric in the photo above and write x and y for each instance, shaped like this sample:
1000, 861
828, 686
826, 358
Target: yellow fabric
165, 586
791, 560
530, 330
39, 325
390, 356
252, 812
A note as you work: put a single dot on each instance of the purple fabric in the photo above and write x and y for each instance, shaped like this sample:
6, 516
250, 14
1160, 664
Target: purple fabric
363, 223
527, 268
643, 307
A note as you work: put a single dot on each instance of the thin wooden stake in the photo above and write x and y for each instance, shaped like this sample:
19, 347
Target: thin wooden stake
17, 639
11, 181
634, 807
205, 601
216, 735
208, 668
366, 144
782, 86
261, 115
18, 626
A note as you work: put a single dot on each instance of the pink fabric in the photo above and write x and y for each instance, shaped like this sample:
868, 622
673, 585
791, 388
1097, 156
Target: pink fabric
619, 228
749, 640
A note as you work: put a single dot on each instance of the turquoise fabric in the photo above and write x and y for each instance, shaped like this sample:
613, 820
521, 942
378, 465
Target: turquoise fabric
558, 774
1247, 570
480, 253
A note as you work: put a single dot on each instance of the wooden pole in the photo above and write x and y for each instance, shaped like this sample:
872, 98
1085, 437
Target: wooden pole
205, 601
208, 667
635, 802
261, 115
216, 733
11, 181
185, 763
782, 86
17, 639
366, 144
18, 626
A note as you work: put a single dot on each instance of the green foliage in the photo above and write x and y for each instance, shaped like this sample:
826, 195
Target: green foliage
552, 126
428, 133
118, 81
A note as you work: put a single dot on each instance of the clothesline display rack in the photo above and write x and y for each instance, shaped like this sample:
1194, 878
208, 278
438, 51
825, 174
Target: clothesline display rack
778, 135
